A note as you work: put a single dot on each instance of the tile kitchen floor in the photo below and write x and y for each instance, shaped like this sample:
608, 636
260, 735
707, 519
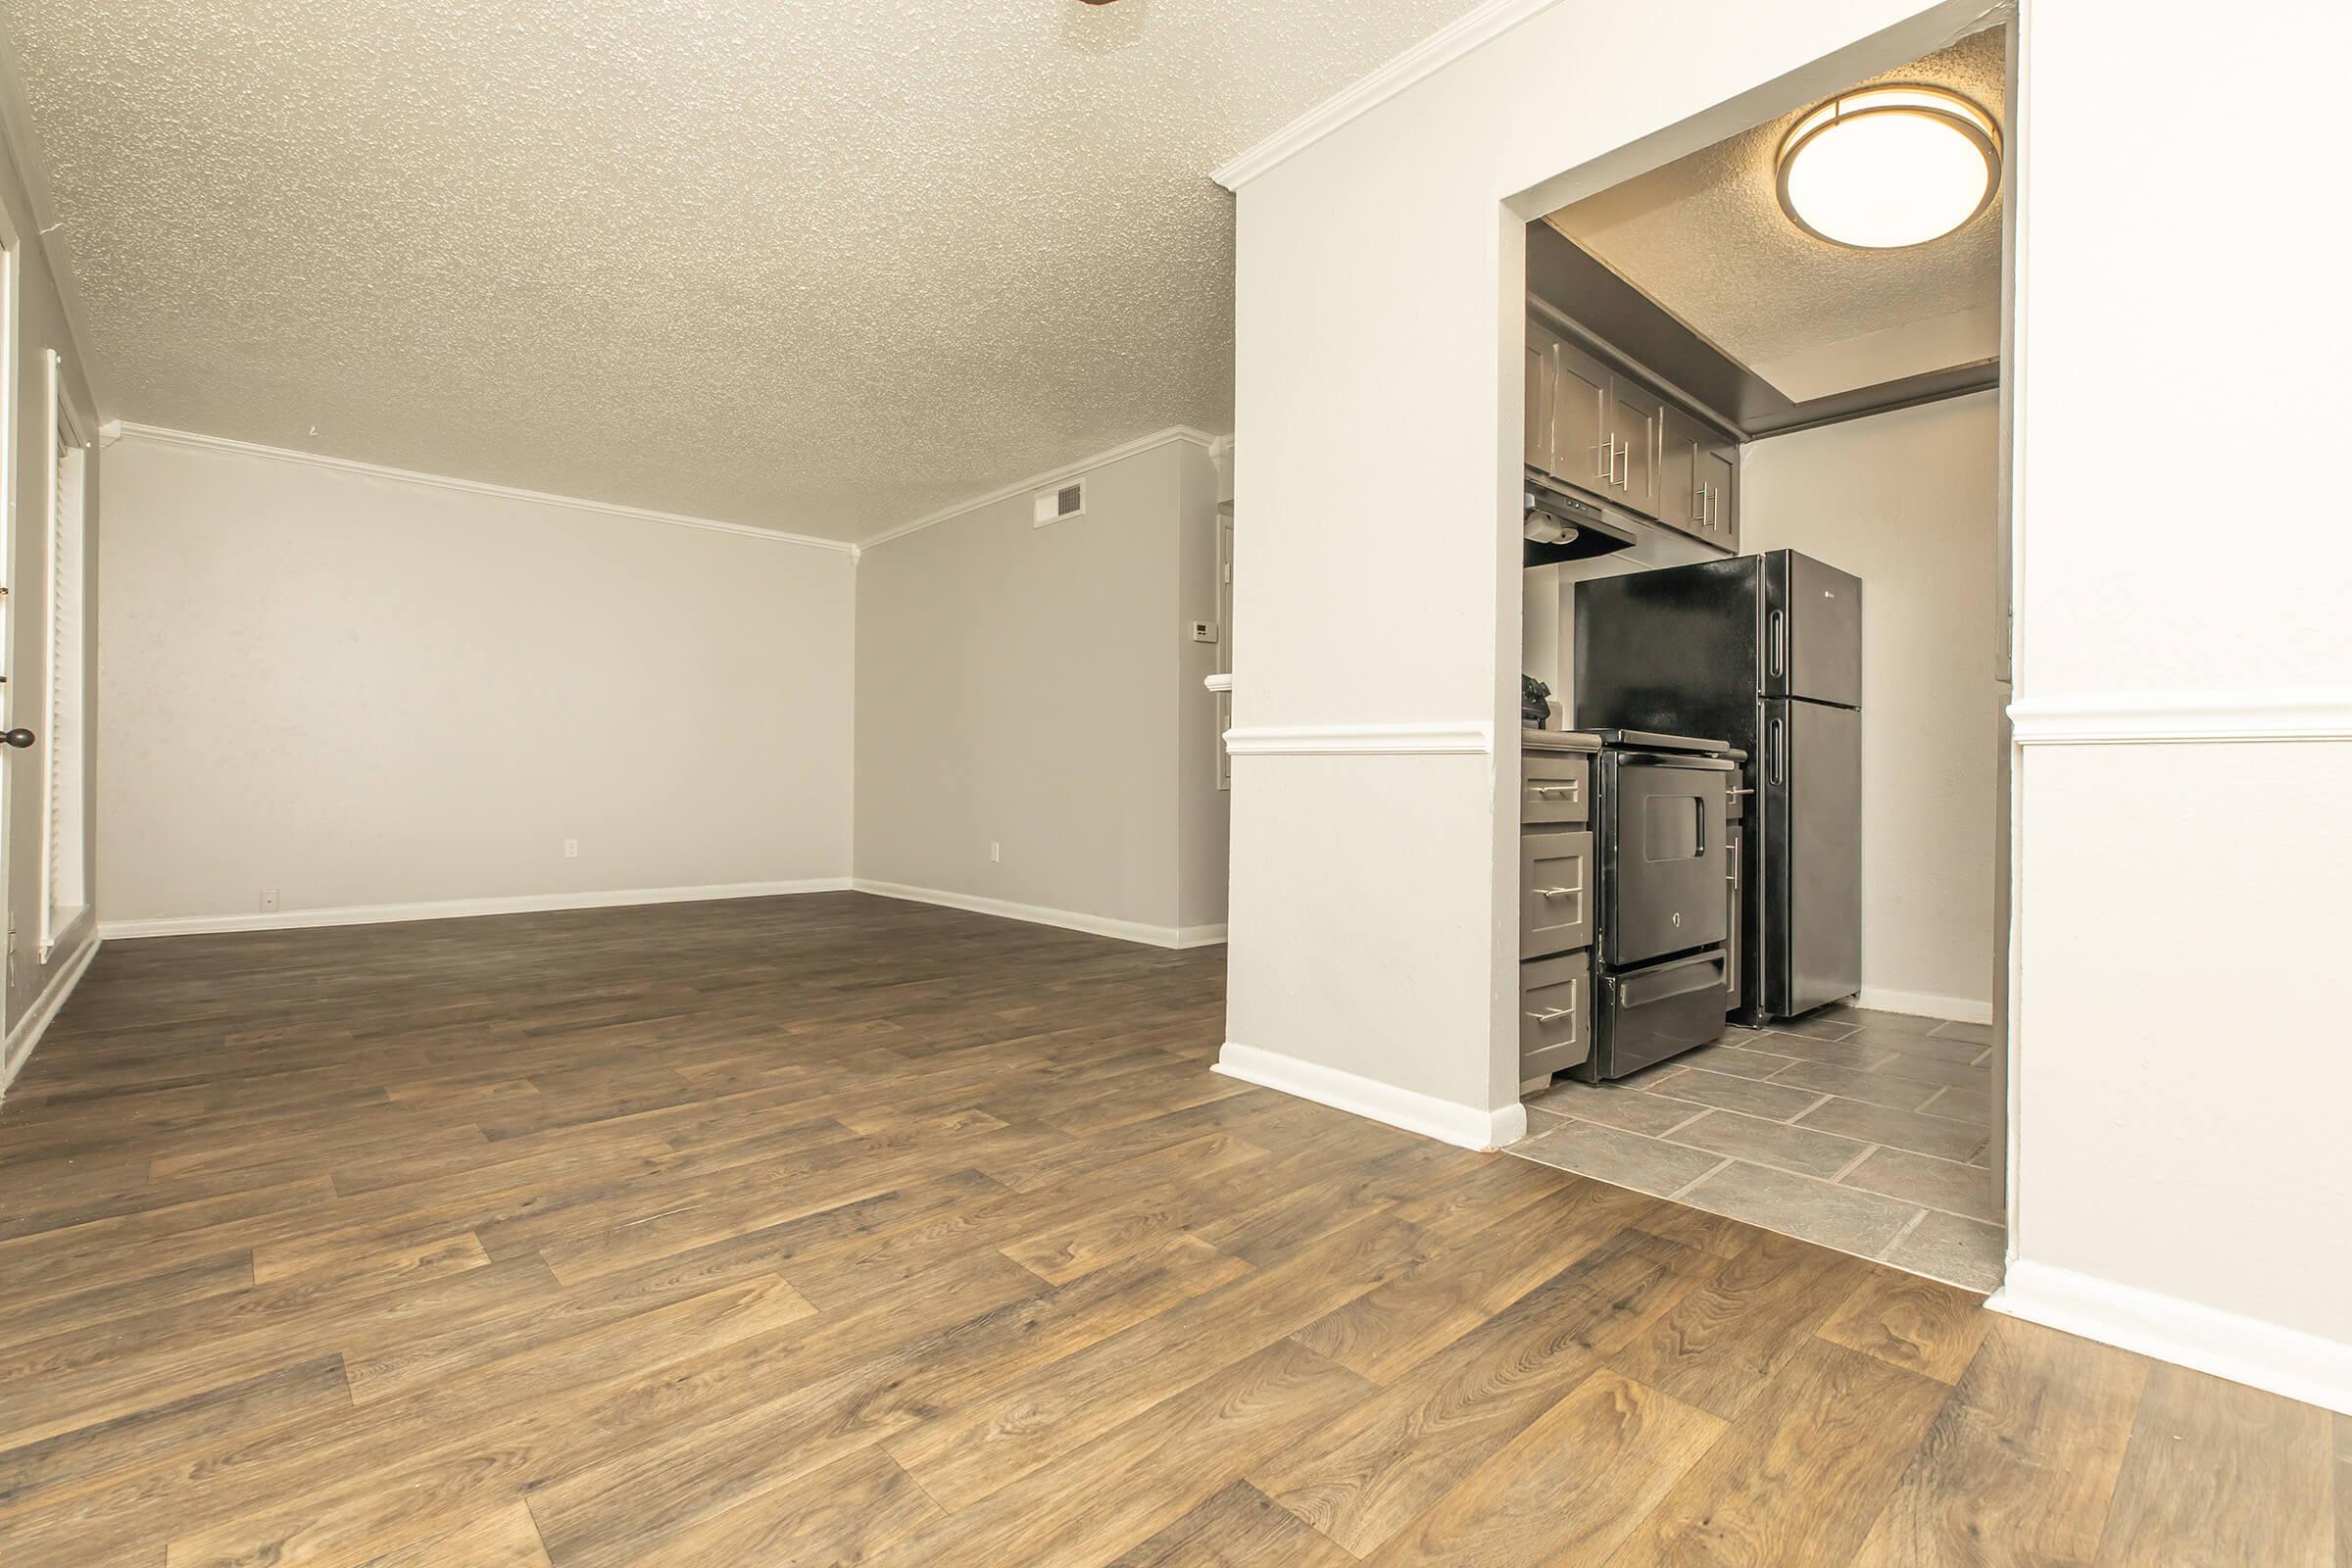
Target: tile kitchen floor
1868, 1132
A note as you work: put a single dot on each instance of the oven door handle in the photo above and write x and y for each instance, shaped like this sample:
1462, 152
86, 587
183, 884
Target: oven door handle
1638, 990
1681, 759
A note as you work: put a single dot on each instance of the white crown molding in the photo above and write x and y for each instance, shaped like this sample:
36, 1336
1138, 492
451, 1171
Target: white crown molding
443, 481
1424, 59
1359, 740
1039, 481
1924, 1005
1217, 683
178, 925
1096, 925
29, 1028
2250, 715
1464, 1125
2243, 1350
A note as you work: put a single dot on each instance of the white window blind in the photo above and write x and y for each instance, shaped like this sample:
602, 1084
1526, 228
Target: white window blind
63, 895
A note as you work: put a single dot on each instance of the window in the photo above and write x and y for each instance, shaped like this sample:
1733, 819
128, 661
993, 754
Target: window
62, 854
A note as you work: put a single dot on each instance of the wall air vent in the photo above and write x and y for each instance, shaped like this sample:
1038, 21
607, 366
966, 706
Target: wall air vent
1060, 504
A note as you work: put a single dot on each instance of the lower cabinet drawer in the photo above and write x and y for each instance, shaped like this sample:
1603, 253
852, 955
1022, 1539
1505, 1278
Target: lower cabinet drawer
1556, 892
1555, 1013
1554, 786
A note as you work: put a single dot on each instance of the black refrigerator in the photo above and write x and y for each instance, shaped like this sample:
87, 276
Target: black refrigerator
1764, 652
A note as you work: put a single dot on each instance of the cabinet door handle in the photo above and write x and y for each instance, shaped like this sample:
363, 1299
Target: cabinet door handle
1556, 892
1547, 791
1553, 1013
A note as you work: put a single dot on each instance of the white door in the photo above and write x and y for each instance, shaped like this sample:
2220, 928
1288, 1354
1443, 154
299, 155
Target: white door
8, 383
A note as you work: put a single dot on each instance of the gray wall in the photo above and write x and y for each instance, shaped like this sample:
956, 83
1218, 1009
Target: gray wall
431, 688
1906, 500
1036, 688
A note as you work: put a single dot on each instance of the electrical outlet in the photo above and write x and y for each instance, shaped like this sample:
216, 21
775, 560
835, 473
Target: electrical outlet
996, 852
269, 901
1204, 631
571, 849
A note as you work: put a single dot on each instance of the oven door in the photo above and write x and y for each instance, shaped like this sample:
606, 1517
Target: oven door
1662, 855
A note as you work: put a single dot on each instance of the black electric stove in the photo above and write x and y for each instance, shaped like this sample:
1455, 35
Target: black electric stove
1661, 819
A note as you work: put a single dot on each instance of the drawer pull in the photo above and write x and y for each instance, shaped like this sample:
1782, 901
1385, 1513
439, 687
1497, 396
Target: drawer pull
1556, 892
1547, 791
1552, 1015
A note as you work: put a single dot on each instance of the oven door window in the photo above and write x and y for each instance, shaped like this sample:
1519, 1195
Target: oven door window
1673, 827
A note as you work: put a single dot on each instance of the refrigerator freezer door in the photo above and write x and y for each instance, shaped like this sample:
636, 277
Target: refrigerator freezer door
1812, 630
1813, 872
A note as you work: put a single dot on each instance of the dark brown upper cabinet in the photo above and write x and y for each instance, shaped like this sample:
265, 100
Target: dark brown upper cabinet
1608, 433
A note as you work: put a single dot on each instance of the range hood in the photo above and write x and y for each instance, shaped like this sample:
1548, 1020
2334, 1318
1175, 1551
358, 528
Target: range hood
1562, 525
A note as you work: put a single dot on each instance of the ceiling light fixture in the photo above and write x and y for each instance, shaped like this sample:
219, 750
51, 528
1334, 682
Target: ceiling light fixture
1881, 168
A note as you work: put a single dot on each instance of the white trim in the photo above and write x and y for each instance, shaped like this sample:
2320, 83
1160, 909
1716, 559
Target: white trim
443, 481
2243, 1350
1099, 925
1359, 740
63, 425
178, 925
2252, 715
1039, 481
1415, 1113
29, 1028
1218, 683
1431, 55
1924, 1005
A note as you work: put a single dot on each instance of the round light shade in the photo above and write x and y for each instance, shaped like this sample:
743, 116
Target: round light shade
1887, 167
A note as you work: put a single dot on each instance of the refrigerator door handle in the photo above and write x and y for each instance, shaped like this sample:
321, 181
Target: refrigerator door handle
1780, 642
1779, 753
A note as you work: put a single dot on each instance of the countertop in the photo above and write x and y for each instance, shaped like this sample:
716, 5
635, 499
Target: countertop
1558, 740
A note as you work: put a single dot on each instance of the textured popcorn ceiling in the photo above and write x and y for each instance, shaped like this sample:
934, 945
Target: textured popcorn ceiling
813, 265
1705, 237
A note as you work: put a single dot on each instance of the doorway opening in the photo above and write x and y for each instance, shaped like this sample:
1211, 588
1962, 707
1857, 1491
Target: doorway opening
1765, 629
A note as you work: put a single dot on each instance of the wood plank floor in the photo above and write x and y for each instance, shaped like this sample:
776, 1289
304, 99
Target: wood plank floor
832, 1230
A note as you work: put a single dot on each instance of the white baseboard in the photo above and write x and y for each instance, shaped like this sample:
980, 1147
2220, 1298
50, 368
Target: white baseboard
177, 925
29, 1028
1924, 1005
1415, 1113
2243, 1350
1099, 925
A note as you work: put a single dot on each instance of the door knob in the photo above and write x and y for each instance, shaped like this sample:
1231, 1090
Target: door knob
17, 737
